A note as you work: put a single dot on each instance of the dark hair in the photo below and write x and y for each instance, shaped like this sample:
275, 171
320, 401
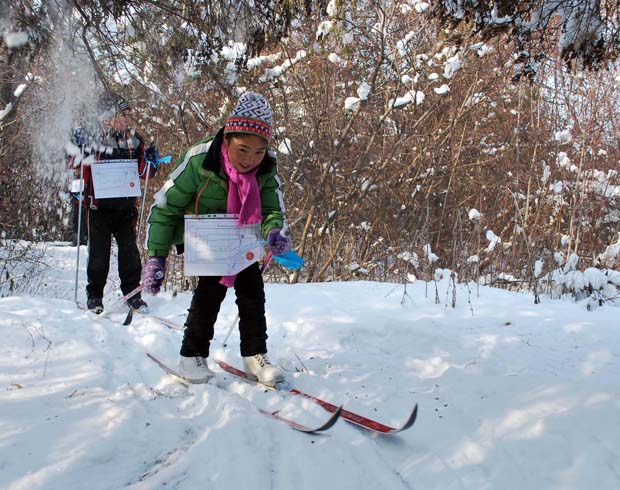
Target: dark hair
122, 104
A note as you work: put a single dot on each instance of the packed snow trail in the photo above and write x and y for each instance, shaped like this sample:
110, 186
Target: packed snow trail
512, 395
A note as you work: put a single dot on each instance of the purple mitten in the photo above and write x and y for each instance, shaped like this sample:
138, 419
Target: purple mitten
153, 274
278, 244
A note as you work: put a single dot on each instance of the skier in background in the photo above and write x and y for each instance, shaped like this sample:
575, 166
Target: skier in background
115, 217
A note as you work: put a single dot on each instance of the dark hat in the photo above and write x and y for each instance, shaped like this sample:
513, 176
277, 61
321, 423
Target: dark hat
252, 115
122, 104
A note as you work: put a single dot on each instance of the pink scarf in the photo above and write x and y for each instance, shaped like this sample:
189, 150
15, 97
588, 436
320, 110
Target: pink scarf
243, 199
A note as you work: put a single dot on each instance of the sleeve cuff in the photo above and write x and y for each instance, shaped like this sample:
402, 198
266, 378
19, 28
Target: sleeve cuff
157, 253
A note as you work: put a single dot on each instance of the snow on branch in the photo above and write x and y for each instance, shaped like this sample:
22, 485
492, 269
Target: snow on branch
585, 31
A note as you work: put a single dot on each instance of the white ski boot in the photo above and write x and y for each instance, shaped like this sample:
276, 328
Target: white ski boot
195, 369
258, 368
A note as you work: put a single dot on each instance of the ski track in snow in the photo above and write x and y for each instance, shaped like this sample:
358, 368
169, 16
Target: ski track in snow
513, 396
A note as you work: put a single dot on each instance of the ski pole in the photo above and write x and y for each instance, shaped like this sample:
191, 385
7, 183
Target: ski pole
165, 159
129, 317
122, 300
146, 186
232, 325
79, 230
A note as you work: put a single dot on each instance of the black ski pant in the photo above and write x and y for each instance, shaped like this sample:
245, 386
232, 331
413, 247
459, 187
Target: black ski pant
205, 306
103, 224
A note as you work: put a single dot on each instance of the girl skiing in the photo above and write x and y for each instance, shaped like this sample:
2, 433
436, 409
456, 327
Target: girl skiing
231, 172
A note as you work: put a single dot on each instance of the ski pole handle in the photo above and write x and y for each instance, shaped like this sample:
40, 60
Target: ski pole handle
266, 261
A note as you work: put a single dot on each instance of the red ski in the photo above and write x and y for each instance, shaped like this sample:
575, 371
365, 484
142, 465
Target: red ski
272, 415
349, 416
172, 325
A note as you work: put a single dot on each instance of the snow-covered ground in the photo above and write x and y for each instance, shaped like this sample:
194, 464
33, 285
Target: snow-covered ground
511, 395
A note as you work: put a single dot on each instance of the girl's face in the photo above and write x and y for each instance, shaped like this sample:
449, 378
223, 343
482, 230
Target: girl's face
245, 151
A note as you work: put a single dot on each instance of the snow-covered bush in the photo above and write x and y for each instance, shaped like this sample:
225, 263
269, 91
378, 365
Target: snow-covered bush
21, 264
593, 285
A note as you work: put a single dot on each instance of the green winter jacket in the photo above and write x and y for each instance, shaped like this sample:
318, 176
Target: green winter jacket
199, 173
